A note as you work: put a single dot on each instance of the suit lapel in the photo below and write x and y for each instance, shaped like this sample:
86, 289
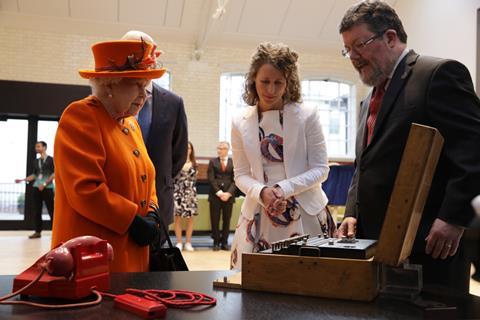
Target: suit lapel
251, 142
398, 81
361, 132
157, 100
291, 125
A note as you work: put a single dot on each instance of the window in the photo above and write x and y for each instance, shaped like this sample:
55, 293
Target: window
46, 132
334, 100
163, 81
231, 102
336, 104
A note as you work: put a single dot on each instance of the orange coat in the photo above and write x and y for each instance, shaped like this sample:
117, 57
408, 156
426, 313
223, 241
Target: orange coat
103, 178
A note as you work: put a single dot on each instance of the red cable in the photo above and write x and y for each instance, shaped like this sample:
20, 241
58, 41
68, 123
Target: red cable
13, 294
48, 306
170, 298
176, 298
59, 306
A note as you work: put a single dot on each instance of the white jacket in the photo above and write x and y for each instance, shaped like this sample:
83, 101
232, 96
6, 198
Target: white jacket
305, 158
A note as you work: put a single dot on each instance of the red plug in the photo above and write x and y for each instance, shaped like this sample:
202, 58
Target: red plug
145, 308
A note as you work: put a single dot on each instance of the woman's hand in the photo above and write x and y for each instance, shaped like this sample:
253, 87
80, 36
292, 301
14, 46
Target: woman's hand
273, 200
278, 207
267, 196
144, 230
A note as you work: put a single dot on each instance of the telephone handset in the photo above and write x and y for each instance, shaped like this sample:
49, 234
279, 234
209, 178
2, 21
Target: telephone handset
72, 270
60, 261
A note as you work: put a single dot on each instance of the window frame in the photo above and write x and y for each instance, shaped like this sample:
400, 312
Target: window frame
352, 116
225, 126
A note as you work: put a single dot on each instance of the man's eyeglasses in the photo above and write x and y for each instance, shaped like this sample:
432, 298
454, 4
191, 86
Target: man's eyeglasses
359, 47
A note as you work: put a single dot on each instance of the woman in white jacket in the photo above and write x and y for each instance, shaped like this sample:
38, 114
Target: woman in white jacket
279, 156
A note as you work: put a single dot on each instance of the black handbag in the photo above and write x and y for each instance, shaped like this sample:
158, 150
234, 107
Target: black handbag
166, 259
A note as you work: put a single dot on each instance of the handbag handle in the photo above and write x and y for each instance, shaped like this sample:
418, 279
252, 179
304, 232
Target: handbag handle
164, 229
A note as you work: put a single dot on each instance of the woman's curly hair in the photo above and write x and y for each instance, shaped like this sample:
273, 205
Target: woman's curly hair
282, 58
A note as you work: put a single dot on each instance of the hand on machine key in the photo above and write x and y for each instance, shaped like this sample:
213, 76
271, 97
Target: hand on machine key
348, 228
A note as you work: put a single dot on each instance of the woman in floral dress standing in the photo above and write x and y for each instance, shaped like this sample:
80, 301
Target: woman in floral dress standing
185, 199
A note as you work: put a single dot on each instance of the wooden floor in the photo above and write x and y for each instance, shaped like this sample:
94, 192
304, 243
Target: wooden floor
18, 252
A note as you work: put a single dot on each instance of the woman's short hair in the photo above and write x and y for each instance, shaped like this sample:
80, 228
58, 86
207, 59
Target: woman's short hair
282, 58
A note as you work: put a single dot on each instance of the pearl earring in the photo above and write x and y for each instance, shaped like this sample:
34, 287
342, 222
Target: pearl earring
110, 95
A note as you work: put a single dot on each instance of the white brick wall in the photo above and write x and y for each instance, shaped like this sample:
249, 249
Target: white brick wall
55, 58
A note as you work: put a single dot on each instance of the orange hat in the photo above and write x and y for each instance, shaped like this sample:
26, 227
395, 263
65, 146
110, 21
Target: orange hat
124, 59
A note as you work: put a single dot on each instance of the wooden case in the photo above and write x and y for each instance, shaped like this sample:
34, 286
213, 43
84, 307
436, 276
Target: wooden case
311, 276
409, 195
348, 278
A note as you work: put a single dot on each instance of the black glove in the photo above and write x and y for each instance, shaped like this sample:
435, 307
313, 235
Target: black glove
144, 230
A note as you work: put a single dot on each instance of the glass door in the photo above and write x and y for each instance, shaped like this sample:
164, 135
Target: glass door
13, 162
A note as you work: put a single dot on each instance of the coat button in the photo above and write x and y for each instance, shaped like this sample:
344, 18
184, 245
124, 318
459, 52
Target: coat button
136, 153
143, 203
125, 130
144, 177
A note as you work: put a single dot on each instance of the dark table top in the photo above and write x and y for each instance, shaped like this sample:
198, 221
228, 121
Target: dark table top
231, 303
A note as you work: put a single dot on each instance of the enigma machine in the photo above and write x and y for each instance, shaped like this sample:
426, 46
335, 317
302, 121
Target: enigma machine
321, 246
351, 269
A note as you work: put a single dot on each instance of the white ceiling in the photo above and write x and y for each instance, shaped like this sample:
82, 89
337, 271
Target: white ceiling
310, 24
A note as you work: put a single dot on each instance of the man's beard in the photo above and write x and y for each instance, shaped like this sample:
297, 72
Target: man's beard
378, 70
374, 78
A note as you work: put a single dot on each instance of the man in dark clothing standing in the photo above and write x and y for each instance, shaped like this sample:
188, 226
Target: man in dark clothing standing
43, 189
222, 195
411, 88
164, 129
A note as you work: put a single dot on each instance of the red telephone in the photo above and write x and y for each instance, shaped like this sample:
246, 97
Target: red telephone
79, 268
73, 269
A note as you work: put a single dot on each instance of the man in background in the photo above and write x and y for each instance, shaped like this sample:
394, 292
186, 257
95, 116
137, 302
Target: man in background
222, 195
43, 190
164, 130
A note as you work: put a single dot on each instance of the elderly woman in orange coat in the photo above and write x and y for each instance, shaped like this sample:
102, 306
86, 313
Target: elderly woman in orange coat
105, 179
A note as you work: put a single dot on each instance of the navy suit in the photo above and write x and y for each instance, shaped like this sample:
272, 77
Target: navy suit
437, 93
167, 144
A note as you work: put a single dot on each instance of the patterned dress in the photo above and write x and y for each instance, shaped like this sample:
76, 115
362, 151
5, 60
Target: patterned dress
257, 234
185, 192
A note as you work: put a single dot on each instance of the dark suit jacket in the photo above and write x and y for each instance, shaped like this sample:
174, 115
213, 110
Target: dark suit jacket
220, 180
48, 167
167, 145
434, 92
